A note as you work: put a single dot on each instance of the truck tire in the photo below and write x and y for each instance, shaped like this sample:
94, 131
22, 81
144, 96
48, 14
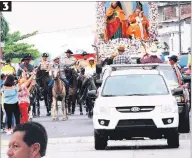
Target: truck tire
100, 141
173, 139
184, 123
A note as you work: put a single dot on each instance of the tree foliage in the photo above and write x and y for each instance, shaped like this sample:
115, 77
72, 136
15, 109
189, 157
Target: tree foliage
4, 28
14, 48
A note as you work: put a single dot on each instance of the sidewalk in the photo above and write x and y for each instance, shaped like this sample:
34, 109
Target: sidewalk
83, 147
87, 139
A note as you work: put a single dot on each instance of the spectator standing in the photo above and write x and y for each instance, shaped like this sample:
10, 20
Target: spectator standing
10, 92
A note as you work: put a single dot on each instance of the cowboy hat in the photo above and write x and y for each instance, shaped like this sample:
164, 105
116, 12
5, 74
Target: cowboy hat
84, 53
154, 50
45, 55
57, 57
26, 58
121, 48
69, 51
91, 58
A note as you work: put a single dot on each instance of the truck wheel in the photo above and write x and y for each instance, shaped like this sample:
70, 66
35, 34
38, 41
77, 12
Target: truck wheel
100, 142
184, 123
173, 139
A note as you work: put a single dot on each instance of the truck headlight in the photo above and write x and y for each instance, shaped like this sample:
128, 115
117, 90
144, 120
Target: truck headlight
169, 108
101, 110
104, 110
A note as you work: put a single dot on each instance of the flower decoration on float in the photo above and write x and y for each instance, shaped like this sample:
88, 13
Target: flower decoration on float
132, 46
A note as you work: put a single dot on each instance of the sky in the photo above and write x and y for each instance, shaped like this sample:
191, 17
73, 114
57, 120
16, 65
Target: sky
45, 17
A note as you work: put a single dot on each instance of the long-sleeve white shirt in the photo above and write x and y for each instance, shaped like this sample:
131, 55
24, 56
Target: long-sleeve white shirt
89, 71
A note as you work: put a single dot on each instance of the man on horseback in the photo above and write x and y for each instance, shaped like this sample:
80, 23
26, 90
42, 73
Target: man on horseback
90, 69
44, 68
26, 66
58, 64
69, 60
83, 62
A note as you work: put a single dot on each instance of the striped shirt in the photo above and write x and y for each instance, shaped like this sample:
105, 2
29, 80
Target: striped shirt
122, 59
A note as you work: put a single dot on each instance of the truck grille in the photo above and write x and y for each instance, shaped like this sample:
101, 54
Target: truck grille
136, 123
140, 109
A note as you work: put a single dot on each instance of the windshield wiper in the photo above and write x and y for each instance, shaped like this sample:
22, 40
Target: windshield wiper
136, 95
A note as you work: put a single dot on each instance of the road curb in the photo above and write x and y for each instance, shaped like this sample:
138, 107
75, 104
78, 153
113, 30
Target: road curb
68, 140
53, 141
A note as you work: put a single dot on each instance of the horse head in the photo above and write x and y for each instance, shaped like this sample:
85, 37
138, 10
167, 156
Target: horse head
55, 73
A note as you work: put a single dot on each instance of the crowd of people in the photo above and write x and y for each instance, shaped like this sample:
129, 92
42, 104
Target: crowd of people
15, 96
16, 85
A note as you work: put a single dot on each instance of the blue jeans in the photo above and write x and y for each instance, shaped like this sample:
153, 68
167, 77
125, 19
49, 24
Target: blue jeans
63, 79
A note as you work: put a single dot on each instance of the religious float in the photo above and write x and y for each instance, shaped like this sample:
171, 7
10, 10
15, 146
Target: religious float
133, 25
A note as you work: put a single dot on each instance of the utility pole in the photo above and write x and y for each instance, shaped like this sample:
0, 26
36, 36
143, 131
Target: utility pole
179, 22
97, 53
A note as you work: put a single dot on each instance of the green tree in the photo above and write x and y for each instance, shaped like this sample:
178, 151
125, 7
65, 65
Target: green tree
4, 28
13, 49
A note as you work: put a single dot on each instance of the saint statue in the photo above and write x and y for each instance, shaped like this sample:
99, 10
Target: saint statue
116, 23
138, 24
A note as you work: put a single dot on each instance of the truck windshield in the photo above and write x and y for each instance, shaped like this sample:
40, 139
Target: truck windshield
138, 84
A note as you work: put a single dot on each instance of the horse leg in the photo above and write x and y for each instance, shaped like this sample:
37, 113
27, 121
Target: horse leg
57, 117
69, 104
38, 107
34, 109
87, 110
81, 110
64, 109
46, 103
54, 108
66, 104
30, 113
73, 102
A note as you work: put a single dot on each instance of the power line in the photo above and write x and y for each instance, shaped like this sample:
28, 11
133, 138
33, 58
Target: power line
65, 30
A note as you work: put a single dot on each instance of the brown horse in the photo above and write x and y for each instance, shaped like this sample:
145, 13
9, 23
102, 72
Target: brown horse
59, 93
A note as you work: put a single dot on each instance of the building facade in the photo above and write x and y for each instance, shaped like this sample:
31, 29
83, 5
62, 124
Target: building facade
169, 25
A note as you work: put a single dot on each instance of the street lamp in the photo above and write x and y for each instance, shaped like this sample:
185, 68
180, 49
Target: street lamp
179, 21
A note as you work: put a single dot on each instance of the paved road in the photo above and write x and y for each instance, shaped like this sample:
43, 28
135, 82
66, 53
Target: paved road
125, 149
76, 126
81, 145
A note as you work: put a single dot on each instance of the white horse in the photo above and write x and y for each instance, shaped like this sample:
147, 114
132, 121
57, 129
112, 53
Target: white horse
59, 93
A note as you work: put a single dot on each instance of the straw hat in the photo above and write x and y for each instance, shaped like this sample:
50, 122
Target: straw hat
57, 57
154, 50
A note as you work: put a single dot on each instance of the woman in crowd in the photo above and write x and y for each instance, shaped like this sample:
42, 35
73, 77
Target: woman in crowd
15, 99
24, 92
10, 98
